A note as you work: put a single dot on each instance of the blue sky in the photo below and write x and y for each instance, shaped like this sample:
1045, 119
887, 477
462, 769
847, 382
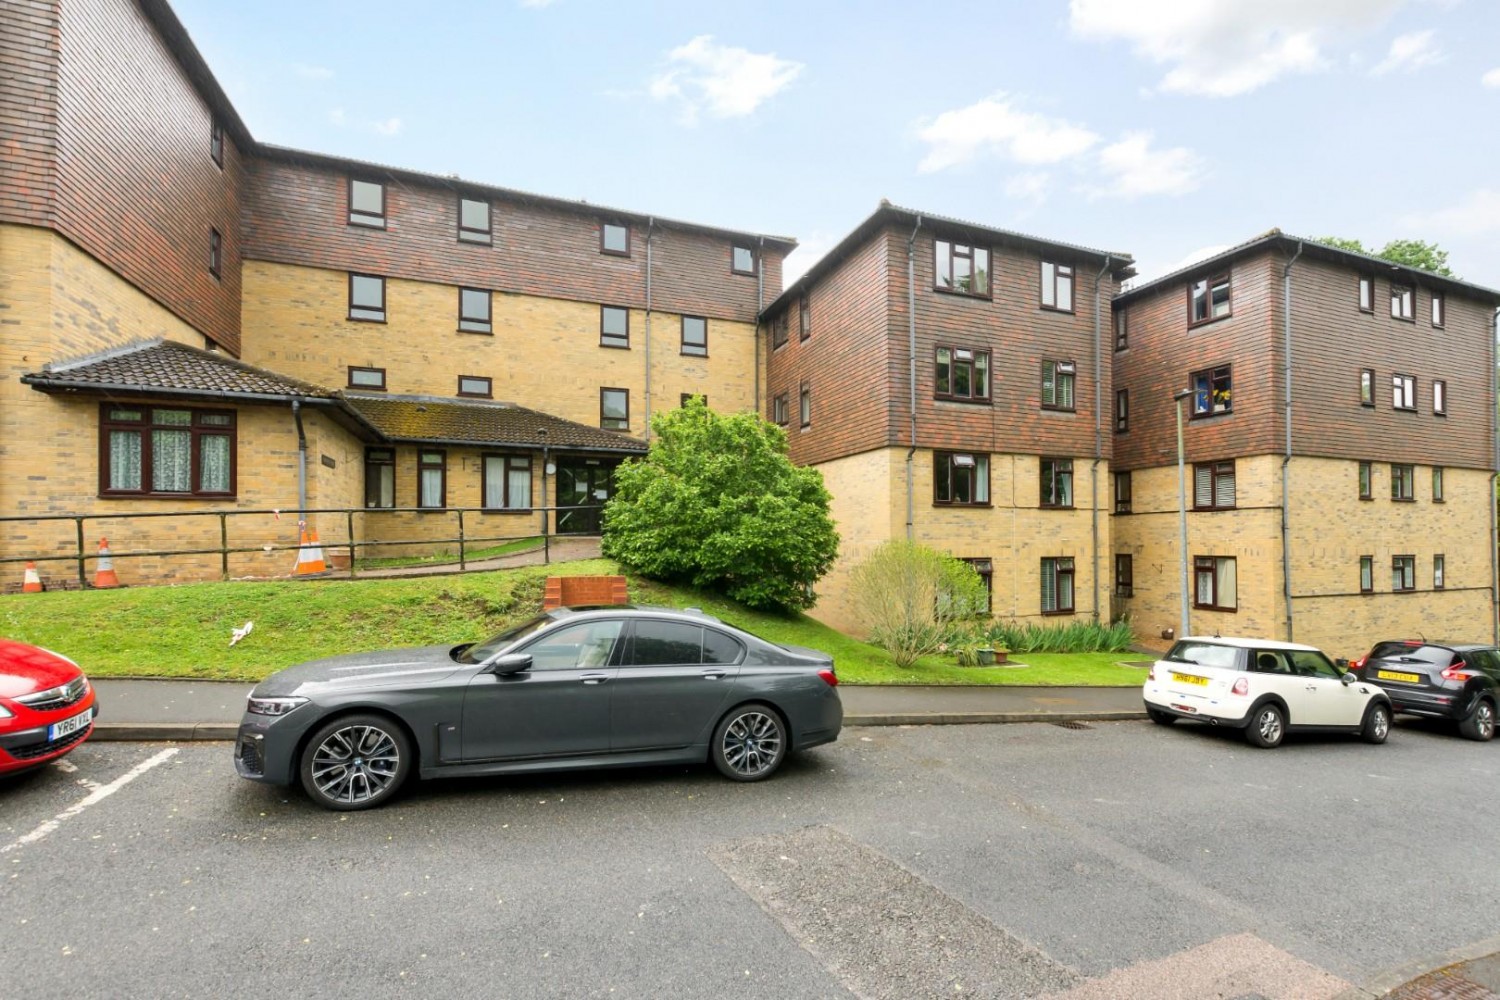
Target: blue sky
1165, 128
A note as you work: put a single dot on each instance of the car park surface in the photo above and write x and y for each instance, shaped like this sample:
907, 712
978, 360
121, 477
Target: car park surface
1263, 688
1086, 855
570, 689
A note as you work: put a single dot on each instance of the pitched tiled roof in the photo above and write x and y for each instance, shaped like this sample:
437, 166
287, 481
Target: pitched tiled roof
446, 421
165, 366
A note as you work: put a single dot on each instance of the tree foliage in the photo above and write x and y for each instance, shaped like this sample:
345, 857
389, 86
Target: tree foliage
717, 503
1409, 253
912, 599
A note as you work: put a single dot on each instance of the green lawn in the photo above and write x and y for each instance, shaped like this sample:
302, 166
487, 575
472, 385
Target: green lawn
451, 558
183, 631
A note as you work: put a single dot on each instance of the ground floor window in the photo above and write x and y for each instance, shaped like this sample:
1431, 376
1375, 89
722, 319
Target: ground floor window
432, 479
1124, 575
985, 567
166, 451
507, 482
1057, 586
1214, 579
380, 477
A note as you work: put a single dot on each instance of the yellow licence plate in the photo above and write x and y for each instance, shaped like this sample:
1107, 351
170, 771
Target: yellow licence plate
1189, 679
1391, 675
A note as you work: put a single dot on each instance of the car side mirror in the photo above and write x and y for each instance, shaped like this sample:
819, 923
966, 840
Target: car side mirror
510, 663
1347, 678
1342, 662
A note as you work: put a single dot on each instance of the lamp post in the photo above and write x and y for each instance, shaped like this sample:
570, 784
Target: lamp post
1182, 559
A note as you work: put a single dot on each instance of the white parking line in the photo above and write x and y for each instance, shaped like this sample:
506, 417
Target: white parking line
97, 795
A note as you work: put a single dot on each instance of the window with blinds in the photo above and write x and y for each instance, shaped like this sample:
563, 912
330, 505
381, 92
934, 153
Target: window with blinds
1213, 486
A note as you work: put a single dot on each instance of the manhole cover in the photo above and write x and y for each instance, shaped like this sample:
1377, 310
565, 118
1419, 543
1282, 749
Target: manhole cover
1072, 724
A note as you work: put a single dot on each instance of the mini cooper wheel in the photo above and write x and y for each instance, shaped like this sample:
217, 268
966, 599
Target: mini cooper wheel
355, 762
1161, 718
749, 743
1267, 727
1480, 725
1377, 723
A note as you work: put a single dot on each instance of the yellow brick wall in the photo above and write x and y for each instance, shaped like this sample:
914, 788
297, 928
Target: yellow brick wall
544, 353
869, 507
1330, 528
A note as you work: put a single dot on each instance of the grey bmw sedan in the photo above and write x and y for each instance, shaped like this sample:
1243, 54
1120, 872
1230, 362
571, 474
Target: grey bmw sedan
569, 689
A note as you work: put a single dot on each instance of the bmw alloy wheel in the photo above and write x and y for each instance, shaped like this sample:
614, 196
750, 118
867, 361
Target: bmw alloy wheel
355, 763
750, 743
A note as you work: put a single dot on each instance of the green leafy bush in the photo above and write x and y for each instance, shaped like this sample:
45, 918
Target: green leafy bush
717, 504
1074, 637
913, 600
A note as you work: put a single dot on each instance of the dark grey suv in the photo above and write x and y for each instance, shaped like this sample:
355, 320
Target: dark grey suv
1443, 680
571, 688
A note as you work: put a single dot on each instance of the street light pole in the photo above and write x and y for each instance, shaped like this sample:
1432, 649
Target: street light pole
1182, 559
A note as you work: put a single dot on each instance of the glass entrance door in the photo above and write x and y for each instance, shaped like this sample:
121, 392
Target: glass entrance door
583, 485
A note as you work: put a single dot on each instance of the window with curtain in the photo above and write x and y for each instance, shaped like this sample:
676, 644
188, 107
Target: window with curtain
166, 451
1213, 486
380, 477
1215, 583
1057, 586
432, 469
507, 482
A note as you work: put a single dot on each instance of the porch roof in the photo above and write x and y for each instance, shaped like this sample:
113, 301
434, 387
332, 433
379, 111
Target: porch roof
435, 420
165, 367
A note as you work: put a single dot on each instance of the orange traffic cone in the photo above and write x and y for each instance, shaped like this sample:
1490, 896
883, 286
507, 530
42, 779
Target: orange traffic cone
310, 554
32, 582
104, 570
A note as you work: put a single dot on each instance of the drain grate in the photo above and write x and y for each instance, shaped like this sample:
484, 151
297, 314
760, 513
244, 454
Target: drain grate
1072, 724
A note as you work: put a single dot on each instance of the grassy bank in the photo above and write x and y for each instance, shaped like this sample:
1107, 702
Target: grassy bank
184, 631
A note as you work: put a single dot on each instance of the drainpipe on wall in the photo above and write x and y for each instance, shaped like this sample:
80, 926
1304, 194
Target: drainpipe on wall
760, 303
1098, 432
1286, 461
911, 348
301, 460
1494, 478
650, 228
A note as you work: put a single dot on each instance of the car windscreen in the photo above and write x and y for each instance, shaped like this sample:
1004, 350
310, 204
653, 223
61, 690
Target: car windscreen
1205, 654
1437, 655
481, 651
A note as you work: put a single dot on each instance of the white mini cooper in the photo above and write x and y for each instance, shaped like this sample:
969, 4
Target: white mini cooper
1263, 687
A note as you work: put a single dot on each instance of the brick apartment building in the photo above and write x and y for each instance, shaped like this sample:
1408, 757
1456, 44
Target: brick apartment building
1339, 436
951, 382
193, 322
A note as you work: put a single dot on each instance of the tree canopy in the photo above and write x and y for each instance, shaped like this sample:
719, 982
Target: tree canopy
1410, 253
717, 503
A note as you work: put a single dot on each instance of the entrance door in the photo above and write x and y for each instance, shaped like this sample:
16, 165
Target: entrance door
583, 484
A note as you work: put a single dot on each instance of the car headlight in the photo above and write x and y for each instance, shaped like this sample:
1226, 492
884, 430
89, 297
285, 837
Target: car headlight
273, 706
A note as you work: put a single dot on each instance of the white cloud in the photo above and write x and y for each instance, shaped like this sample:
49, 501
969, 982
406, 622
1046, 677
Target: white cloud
809, 251
1476, 215
1032, 187
996, 126
1220, 48
391, 126
1492, 78
1410, 52
1131, 169
1146, 272
724, 81
307, 72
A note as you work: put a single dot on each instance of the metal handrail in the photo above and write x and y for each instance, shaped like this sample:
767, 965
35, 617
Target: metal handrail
465, 541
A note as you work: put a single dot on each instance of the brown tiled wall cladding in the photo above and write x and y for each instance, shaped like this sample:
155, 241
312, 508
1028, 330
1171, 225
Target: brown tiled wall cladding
856, 361
135, 184
297, 213
1331, 341
28, 110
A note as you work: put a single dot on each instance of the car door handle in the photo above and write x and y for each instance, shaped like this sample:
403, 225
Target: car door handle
594, 678
1312, 687
713, 675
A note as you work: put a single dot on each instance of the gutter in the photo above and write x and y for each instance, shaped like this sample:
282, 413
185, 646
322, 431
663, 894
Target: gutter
42, 383
1286, 461
650, 231
1098, 433
1494, 478
911, 357
301, 460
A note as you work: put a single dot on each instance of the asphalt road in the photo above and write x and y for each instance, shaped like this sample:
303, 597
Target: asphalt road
1124, 860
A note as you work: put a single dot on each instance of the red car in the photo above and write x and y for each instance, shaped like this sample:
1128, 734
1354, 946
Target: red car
46, 706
